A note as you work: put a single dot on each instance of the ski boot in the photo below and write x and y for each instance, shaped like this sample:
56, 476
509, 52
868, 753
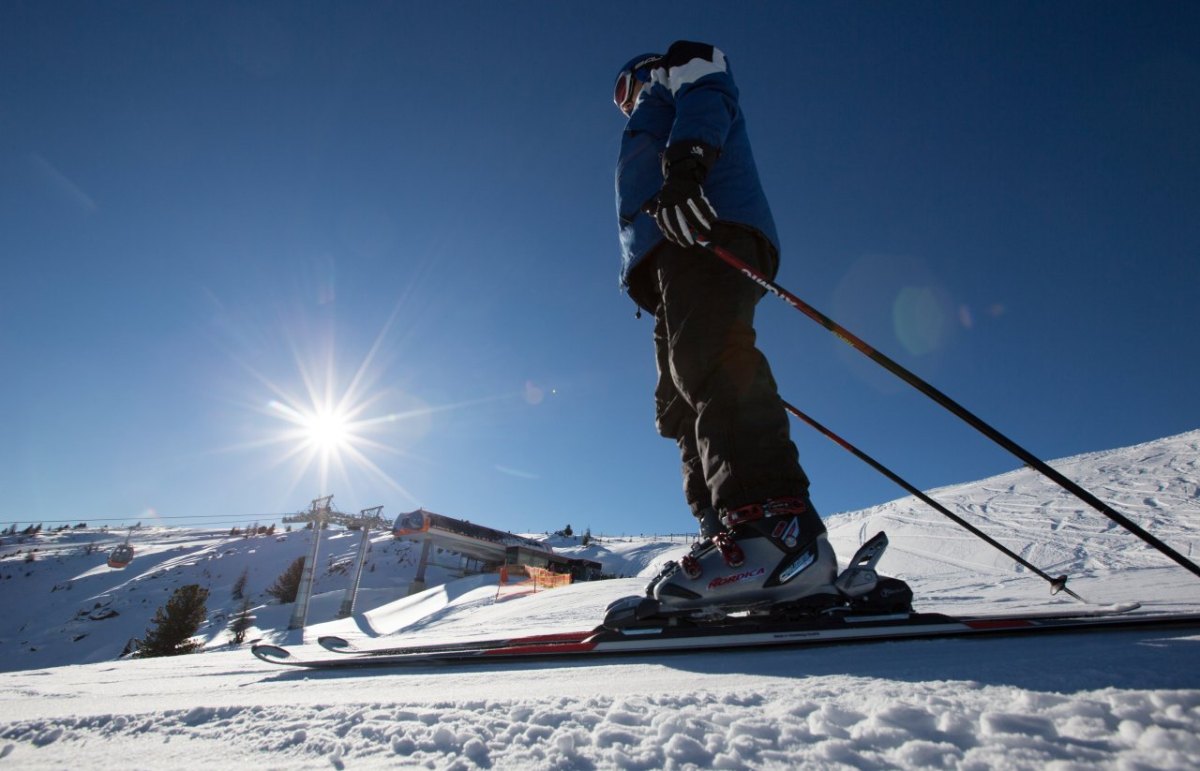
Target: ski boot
858, 591
769, 553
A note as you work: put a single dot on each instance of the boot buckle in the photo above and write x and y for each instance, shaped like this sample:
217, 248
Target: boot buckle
730, 551
776, 507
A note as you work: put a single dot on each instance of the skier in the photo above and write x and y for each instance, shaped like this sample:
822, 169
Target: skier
685, 175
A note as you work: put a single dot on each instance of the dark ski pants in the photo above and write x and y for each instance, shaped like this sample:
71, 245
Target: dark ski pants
716, 396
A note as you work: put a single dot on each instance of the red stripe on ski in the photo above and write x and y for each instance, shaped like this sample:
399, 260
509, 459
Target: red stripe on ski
560, 637
536, 650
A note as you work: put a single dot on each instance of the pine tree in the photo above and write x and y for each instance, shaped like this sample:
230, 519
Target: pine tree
287, 586
241, 622
175, 623
239, 586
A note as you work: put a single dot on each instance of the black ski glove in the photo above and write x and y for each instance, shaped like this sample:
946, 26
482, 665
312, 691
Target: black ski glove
680, 208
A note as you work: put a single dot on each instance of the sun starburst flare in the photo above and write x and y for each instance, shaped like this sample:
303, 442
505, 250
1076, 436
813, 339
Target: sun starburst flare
330, 437
330, 423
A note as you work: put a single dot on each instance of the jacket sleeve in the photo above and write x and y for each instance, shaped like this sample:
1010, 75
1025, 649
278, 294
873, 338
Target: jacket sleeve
700, 82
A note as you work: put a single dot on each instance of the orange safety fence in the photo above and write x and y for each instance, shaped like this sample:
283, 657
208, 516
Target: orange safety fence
546, 579
526, 579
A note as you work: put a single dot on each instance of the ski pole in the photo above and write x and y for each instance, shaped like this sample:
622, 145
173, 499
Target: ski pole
1057, 585
945, 401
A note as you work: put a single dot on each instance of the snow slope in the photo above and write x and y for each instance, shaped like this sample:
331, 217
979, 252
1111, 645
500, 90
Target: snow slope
1128, 699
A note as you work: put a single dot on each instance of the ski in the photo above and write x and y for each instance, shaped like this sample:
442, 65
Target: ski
741, 633
348, 652
339, 645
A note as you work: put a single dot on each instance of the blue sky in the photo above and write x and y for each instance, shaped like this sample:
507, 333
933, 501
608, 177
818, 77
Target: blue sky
217, 215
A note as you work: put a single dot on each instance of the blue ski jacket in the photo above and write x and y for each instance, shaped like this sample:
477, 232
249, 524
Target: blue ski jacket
690, 98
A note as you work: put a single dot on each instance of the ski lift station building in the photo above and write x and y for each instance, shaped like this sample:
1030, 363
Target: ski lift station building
482, 549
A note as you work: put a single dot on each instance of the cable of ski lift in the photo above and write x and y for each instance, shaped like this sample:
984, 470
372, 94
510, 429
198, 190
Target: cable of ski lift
157, 517
945, 401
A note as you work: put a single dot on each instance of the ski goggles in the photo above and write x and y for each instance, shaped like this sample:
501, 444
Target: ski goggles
637, 71
623, 92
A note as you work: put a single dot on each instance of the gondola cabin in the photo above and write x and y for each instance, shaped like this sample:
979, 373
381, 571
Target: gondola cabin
120, 556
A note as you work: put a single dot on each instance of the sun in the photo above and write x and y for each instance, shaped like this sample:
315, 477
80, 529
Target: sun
333, 423
327, 430
324, 439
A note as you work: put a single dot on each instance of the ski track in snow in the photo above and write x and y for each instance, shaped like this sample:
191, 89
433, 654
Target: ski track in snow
811, 712
1128, 700
981, 727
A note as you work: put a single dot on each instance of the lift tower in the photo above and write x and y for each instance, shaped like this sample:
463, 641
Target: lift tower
320, 515
366, 519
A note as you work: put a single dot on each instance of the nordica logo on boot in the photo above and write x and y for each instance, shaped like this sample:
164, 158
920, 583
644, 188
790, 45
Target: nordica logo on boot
798, 565
788, 532
736, 578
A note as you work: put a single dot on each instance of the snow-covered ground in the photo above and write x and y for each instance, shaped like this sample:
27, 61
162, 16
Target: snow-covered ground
1122, 700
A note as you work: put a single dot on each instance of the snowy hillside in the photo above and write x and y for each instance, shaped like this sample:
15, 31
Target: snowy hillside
1128, 698
62, 604
1156, 484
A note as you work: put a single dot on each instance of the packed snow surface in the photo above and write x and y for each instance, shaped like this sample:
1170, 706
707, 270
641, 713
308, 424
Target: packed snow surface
1116, 699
